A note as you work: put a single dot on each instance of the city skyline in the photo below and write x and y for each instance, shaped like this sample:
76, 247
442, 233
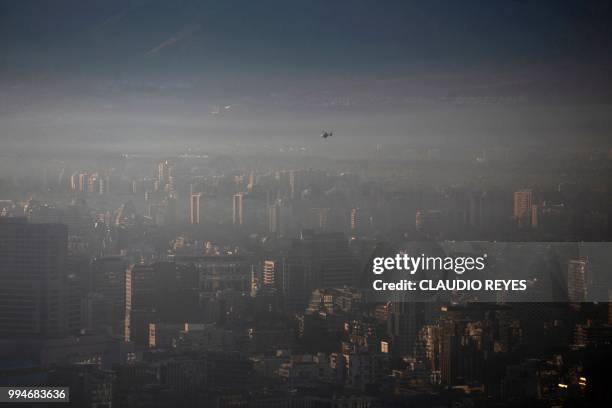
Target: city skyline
352, 204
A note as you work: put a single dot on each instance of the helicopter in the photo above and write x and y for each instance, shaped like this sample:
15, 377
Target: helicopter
326, 134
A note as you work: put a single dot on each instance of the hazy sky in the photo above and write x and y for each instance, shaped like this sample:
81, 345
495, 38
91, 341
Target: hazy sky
128, 71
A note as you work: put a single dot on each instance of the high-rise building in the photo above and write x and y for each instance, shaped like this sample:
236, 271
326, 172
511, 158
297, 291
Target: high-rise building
165, 178
523, 200
316, 261
576, 280
112, 285
143, 287
251, 184
143, 303
450, 339
535, 216
83, 182
271, 275
294, 183
238, 209
404, 322
194, 208
93, 184
32, 265
163, 173
76, 285
462, 349
74, 182
97, 183
274, 218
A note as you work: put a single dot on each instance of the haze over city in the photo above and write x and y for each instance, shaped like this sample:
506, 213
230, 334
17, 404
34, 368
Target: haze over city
132, 75
327, 204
